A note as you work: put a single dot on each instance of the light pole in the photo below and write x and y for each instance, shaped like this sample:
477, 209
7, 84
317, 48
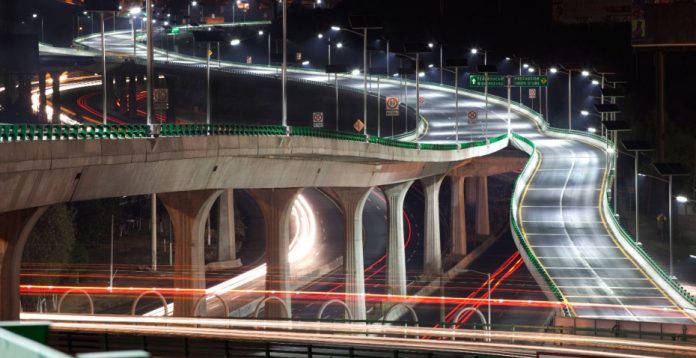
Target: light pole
364, 24
189, 6
134, 12
150, 59
284, 69
569, 71
456, 63
670, 170
637, 146
34, 16
488, 282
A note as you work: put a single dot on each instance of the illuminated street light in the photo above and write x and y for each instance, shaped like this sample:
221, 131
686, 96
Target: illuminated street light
260, 32
585, 113
355, 72
592, 129
421, 74
526, 65
507, 58
595, 82
431, 45
681, 199
339, 45
320, 35
530, 70
474, 51
585, 73
194, 3
305, 63
135, 10
335, 28
235, 42
553, 69
431, 65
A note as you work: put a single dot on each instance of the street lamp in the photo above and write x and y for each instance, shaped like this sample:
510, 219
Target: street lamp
569, 72
363, 23
34, 16
456, 63
475, 51
235, 42
636, 146
670, 170
189, 6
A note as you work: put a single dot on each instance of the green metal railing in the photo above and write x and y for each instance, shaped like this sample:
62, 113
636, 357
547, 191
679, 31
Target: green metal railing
41, 132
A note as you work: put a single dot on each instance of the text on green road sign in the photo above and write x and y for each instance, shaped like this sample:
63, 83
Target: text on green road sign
478, 80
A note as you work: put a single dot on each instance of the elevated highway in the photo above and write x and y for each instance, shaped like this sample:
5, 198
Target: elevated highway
561, 219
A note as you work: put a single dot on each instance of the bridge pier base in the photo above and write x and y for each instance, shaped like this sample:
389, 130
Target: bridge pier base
432, 261
188, 212
396, 257
275, 206
483, 225
15, 227
458, 216
352, 202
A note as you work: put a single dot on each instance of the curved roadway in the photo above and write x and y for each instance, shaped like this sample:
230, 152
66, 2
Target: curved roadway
560, 209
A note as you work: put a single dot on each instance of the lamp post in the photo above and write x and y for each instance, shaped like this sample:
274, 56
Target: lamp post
569, 71
34, 16
636, 146
149, 17
284, 69
670, 170
189, 6
134, 12
456, 63
363, 23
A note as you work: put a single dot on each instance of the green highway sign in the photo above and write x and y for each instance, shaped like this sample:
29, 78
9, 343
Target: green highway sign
493, 81
478, 80
529, 81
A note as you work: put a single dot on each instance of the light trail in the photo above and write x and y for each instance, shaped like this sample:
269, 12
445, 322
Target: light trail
357, 335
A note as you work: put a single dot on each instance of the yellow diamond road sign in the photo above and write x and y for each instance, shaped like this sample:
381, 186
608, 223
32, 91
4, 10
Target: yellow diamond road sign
358, 125
210, 53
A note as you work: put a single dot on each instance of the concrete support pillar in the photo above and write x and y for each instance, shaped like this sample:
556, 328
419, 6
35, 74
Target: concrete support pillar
188, 212
432, 254
458, 216
352, 202
396, 258
275, 205
55, 97
227, 246
132, 101
483, 225
470, 186
15, 227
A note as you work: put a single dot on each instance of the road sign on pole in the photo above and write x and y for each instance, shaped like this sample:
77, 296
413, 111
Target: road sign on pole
421, 101
318, 119
160, 98
532, 93
392, 106
472, 115
479, 80
358, 125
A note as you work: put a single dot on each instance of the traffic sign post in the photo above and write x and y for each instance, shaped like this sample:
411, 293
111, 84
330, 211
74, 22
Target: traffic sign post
479, 80
392, 106
472, 115
318, 120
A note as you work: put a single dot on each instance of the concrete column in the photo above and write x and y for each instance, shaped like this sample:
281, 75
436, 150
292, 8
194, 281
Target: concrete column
15, 227
55, 97
458, 216
275, 205
432, 255
188, 212
227, 246
483, 225
396, 258
352, 202
42, 88
132, 102
470, 187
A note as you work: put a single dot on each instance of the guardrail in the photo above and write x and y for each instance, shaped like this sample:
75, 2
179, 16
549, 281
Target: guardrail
47, 132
